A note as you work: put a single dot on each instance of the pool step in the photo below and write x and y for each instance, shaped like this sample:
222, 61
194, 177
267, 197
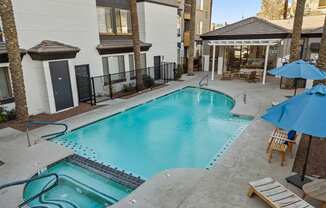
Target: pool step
118, 176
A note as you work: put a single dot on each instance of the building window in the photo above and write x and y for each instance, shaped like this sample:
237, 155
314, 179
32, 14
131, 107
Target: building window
115, 66
322, 3
201, 27
200, 4
123, 21
104, 19
5, 86
132, 64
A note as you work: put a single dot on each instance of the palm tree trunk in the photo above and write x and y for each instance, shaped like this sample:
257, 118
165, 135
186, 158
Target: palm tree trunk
297, 29
285, 9
15, 67
136, 43
296, 37
321, 62
192, 38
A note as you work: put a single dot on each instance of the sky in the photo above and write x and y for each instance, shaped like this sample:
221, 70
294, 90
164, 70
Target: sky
233, 10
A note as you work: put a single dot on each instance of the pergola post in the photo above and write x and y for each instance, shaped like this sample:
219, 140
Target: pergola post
266, 64
213, 63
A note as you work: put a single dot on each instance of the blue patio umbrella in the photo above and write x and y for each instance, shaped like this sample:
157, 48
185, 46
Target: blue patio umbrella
299, 69
304, 113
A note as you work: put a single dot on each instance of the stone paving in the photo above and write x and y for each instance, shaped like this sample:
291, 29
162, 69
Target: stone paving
224, 185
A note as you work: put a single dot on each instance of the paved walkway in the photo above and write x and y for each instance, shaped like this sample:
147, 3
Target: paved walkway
225, 185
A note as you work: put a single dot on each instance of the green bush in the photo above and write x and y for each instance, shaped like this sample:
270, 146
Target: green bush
6, 115
148, 81
178, 72
128, 87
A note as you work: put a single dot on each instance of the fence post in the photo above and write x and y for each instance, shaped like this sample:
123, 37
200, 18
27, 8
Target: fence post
174, 71
94, 94
164, 72
110, 86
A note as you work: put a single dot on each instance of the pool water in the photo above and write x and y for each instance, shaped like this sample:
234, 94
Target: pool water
189, 128
77, 188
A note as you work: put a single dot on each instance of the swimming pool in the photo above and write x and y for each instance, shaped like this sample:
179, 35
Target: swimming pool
77, 187
189, 128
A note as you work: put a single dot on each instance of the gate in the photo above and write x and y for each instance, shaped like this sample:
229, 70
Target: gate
83, 83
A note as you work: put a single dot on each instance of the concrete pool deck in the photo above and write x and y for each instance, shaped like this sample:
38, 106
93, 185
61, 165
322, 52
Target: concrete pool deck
224, 185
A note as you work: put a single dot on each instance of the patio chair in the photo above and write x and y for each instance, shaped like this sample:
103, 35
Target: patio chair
279, 142
275, 194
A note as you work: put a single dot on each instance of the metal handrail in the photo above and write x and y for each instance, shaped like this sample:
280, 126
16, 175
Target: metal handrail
16, 183
201, 82
49, 136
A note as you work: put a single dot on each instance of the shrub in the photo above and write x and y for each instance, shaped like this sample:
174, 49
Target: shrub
128, 87
148, 81
6, 115
178, 72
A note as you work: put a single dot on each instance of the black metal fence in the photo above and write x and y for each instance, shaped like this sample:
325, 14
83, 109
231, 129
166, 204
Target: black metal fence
111, 86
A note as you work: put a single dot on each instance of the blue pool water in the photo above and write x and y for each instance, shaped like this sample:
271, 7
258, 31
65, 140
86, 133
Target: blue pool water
189, 128
77, 188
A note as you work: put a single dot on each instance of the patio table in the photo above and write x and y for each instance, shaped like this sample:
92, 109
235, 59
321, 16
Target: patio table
316, 190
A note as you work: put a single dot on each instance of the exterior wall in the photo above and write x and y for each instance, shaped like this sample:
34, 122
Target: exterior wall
72, 22
158, 26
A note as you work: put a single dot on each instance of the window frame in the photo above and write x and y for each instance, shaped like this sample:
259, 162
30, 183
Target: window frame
123, 73
118, 18
105, 18
10, 98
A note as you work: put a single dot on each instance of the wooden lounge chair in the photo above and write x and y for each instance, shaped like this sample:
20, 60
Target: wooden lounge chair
279, 142
275, 194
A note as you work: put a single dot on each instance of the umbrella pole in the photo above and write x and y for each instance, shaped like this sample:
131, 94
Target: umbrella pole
299, 179
306, 160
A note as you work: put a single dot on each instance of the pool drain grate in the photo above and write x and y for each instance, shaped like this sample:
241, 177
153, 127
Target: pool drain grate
118, 176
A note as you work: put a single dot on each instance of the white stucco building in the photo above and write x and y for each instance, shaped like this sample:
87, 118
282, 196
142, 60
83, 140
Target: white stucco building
90, 38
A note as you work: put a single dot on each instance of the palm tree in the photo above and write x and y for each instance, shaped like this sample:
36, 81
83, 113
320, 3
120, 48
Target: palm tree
285, 9
321, 63
136, 43
192, 38
10, 33
297, 29
296, 37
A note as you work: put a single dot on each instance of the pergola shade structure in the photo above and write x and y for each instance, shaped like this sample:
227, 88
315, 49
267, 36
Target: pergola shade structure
252, 42
254, 32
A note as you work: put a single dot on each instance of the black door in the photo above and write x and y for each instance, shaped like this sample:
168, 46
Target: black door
60, 77
83, 82
157, 67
